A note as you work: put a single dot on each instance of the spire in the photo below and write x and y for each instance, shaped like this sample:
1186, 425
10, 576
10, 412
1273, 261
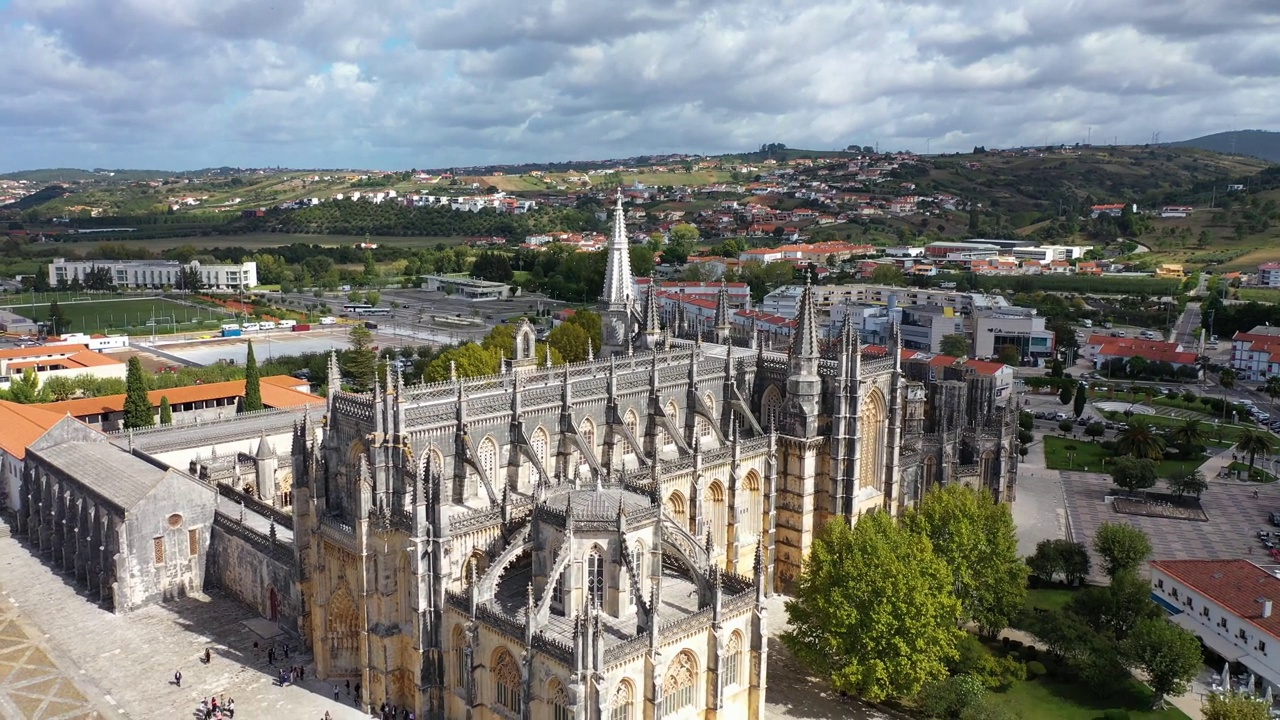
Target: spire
591, 351
722, 326
652, 321
619, 286
264, 449
335, 373
804, 341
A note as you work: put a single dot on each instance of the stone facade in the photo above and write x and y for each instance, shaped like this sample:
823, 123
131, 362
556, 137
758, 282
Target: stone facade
596, 540
132, 530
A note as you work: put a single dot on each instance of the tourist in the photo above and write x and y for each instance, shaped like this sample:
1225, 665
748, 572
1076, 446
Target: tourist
335, 692
177, 678
231, 707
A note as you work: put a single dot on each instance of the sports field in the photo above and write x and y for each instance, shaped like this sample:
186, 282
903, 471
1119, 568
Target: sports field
132, 315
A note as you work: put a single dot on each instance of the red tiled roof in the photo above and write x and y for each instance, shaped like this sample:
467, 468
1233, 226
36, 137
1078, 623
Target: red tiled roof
1237, 585
278, 391
984, 367
23, 425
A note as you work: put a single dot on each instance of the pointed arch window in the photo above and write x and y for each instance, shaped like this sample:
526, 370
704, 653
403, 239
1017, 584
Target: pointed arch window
506, 681
751, 505
557, 593
733, 660
716, 512
679, 686
459, 651
540, 443
632, 423
595, 577
588, 432
637, 562
558, 699
678, 509
487, 458
771, 407
622, 704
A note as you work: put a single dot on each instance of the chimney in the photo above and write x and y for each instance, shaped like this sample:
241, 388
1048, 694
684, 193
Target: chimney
1266, 608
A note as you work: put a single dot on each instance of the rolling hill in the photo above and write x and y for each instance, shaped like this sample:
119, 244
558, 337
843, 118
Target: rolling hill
1263, 144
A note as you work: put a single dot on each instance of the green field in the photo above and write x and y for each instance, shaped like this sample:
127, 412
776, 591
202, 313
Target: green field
128, 315
1262, 295
1066, 454
1047, 699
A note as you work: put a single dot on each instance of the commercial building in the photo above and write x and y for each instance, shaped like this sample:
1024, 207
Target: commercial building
466, 287
1230, 606
1016, 326
157, 273
784, 300
49, 361
1049, 253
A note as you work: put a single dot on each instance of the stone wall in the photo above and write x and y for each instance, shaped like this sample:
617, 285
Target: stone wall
249, 566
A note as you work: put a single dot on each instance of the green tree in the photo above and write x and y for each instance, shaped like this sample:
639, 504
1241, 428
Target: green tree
1188, 481
252, 383
590, 321
976, 538
166, 412
1253, 443
373, 297
1066, 426
1082, 397
1095, 430
466, 360
138, 412
1272, 389
360, 363
1235, 706
887, 274
955, 345
642, 263
1009, 355
1227, 379
874, 639
684, 233
1116, 609
1133, 473
25, 389
1168, 655
1122, 548
59, 323
570, 340
988, 707
1066, 392
1140, 440
60, 387
1054, 557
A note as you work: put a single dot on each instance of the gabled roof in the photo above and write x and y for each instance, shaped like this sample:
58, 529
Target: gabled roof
1238, 585
984, 367
113, 473
23, 425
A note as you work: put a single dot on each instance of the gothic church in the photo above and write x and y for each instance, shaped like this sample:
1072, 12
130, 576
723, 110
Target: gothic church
596, 541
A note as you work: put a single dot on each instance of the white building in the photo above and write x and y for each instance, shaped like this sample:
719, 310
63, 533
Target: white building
1049, 253
157, 273
783, 301
1230, 606
51, 361
1269, 274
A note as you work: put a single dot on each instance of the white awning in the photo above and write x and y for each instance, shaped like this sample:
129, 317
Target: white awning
1210, 639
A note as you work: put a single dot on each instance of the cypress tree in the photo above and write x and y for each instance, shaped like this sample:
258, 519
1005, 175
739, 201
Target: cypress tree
137, 406
166, 412
252, 383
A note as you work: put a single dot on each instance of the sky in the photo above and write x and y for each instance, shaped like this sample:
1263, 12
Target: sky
398, 84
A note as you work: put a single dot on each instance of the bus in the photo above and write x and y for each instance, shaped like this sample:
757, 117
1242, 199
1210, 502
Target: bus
374, 311
356, 307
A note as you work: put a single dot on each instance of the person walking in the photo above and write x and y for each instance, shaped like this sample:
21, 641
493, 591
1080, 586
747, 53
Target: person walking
335, 691
177, 678
231, 707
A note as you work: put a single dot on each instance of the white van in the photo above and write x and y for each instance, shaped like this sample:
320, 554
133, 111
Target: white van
251, 327
231, 326
329, 320
1086, 323
267, 325
1148, 335
287, 323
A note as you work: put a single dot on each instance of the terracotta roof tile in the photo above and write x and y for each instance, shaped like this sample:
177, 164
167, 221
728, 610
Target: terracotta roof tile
23, 425
1237, 585
278, 391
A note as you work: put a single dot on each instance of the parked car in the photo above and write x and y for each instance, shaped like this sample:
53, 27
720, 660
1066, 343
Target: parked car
1275, 518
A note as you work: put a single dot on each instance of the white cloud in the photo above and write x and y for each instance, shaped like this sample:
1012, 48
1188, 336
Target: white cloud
400, 83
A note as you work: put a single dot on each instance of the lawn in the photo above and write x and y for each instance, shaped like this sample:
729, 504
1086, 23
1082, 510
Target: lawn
1212, 428
1046, 699
1049, 598
1067, 454
1259, 475
98, 316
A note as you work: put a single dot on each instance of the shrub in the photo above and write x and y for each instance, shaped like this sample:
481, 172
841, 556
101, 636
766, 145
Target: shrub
1029, 653
1015, 645
1036, 669
1108, 445
1115, 715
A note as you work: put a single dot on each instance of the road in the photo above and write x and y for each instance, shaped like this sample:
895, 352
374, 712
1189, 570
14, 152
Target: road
1186, 330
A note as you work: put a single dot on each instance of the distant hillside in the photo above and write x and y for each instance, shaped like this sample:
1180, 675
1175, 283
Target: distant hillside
1263, 144
56, 175
35, 199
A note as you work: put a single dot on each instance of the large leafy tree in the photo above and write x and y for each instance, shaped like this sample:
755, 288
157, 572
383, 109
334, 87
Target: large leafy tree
955, 345
137, 405
874, 610
1235, 706
252, 383
976, 538
1188, 434
1122, 548
572, 341
1116, 609
25, 389
1140, 440
1133, 473
1168, 655
1060, 556
59, 323
1189, 481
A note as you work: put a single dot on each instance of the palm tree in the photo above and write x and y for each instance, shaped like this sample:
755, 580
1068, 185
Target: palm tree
1252, 442
1272, 389
1140, 441
1188, 434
